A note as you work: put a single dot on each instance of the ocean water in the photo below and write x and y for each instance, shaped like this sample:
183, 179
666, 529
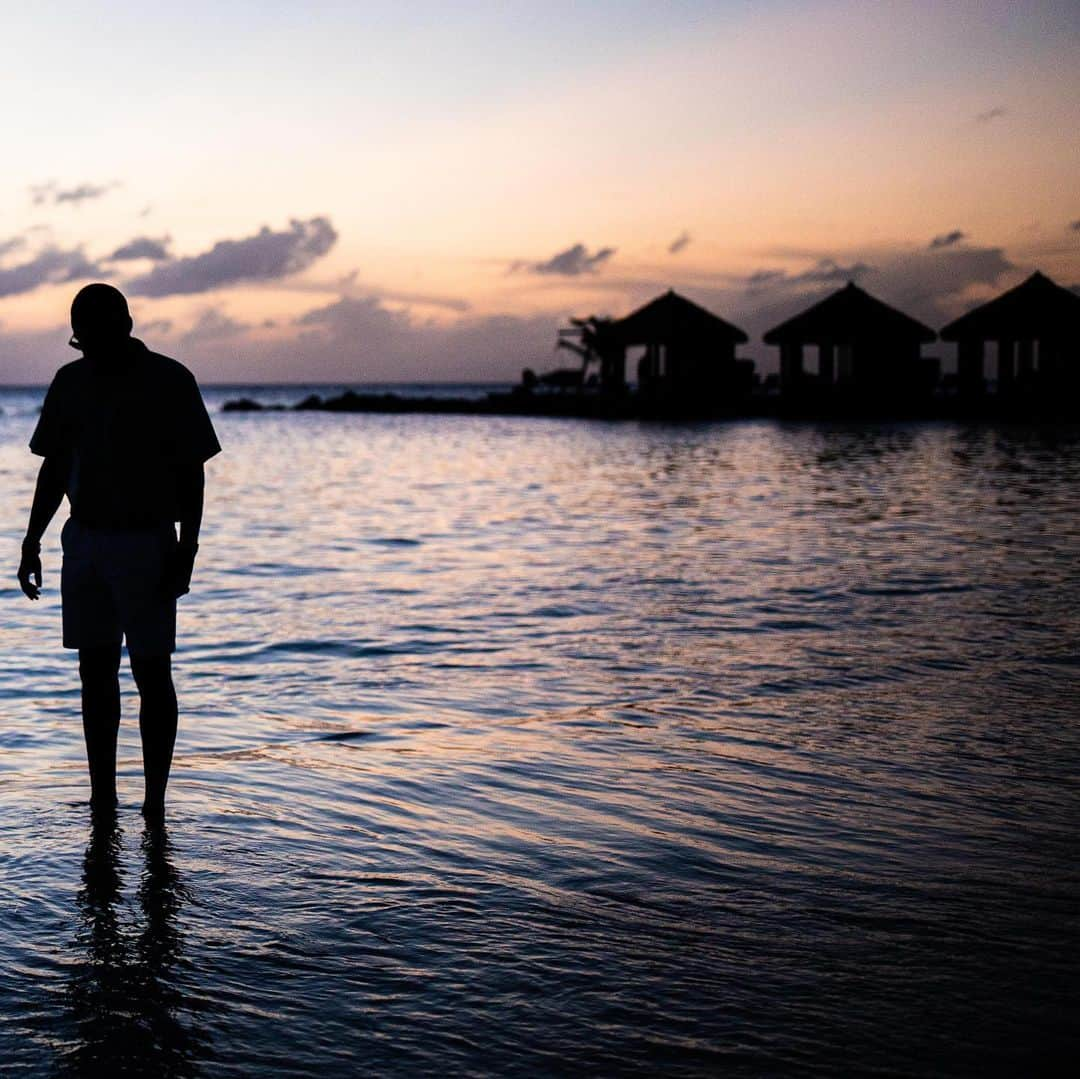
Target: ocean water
523, 747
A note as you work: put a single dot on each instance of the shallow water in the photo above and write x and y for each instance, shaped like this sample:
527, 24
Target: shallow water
512, 746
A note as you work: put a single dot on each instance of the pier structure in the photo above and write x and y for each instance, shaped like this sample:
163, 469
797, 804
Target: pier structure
865, 350
1033, 332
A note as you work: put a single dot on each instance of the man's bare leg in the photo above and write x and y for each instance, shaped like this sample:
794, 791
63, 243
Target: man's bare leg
99, 670
157, 725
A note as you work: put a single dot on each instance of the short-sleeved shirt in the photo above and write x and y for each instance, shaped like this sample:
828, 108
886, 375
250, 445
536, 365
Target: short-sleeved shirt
127, 428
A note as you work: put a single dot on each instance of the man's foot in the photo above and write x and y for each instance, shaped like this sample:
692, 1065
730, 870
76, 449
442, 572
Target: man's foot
153, 811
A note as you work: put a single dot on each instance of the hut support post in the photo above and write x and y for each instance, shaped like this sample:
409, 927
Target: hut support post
1006, 364
1047, 359
1052, 361
826, 364
790, 367
970, 366
613, 369
1025, 360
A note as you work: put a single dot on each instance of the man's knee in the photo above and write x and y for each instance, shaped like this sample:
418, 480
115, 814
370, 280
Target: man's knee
100, 665
152, 674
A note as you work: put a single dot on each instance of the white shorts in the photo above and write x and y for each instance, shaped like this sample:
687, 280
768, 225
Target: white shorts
113, 586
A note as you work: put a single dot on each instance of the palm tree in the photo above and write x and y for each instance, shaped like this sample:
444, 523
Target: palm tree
591, 339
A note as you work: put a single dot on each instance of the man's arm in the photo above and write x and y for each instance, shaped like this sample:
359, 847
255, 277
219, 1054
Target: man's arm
192, 487
48, 494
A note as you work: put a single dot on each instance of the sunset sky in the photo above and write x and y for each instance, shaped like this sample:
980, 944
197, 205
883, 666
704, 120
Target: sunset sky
406, 191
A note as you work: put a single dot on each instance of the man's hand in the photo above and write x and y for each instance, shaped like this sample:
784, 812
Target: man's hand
179, 569
30, 570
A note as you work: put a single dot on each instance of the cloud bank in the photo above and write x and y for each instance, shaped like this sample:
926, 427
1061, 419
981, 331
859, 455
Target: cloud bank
356, 339
371, 338
373, 334
52, 265
265, 256
826, 271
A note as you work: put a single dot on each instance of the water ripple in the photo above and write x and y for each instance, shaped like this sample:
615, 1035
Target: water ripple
515, 747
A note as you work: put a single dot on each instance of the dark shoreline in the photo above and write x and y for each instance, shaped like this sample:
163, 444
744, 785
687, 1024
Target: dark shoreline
633, 407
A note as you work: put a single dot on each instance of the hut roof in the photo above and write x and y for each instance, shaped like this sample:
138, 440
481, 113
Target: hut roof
1036, 308
847, 315
672, 317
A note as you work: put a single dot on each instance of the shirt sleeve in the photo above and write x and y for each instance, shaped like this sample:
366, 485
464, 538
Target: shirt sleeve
52, 435
196, 439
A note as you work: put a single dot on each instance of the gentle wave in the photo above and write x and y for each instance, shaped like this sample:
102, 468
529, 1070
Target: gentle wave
517, 747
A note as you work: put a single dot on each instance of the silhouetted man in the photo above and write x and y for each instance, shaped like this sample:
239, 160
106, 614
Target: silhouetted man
124, 434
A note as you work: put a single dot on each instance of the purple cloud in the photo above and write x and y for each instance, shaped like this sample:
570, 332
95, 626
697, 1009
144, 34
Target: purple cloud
947, 239
362, 338
680, 243
52, 194
52, 266
572, 262
213, 324
825, 271
265, 256
142, 247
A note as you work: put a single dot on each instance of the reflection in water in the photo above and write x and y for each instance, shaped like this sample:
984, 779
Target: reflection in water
128, 1011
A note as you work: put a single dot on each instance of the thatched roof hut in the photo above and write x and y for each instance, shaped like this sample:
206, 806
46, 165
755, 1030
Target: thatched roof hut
847, 316
1036, 327
689, 355
671, 319
1035, 310
861, 341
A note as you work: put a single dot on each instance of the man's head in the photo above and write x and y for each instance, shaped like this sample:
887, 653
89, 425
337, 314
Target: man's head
99, 318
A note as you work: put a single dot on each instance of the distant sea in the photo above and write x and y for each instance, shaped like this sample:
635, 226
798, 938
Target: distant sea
521, 747
18, 399
290, 394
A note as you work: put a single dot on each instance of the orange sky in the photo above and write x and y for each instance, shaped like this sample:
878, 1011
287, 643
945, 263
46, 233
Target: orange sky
460, 185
